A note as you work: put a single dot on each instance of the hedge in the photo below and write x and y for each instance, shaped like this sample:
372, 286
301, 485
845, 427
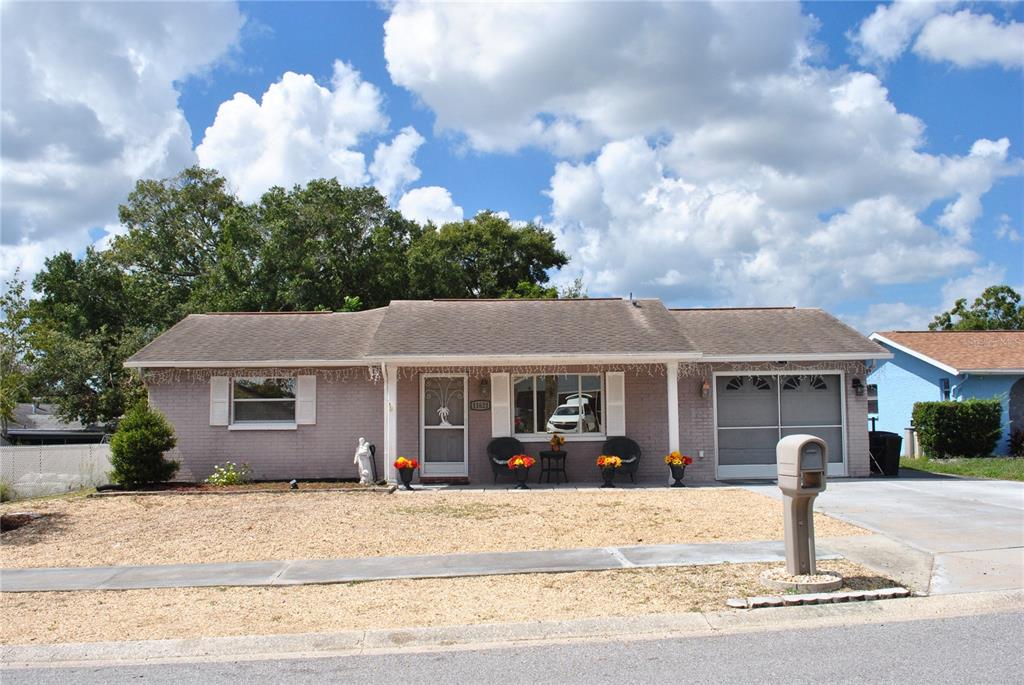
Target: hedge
971, 428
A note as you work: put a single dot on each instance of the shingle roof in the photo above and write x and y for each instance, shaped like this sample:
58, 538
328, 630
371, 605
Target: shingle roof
443, 329
309, 336
965, 350
772, 331
528, 328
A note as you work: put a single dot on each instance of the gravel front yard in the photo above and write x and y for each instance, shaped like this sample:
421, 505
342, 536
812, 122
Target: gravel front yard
208, 612
196, 528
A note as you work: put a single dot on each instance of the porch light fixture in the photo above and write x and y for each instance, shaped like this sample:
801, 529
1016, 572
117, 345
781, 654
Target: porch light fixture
705, 388
485, 387
858, 386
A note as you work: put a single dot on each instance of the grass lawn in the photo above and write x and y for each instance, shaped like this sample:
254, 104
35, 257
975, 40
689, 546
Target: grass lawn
188, 529
1002, 468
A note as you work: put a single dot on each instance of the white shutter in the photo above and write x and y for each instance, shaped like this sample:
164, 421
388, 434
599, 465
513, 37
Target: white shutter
220, 398
305, 400
501, 420
615, 403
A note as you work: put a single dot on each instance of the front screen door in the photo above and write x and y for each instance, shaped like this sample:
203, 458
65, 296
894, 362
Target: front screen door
443, 425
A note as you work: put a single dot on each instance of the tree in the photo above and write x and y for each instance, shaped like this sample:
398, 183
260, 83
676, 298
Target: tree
173, 242
87, 320
998, 308
323, 242
137, 448
13, 348
485, 256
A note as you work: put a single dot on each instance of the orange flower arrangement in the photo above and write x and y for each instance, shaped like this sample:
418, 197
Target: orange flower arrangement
609, 461
521, 461
406, 463
676, 459
557, 440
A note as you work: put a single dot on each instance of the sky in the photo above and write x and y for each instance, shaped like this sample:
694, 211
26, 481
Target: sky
865, 158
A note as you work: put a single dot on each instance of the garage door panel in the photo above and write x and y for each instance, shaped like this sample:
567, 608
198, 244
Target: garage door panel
747, 401
749, 446
811, 401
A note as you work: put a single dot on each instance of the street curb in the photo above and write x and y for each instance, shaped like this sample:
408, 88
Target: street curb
505, 635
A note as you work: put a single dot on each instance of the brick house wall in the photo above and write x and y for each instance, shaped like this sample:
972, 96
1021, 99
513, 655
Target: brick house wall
350, 408
346, 409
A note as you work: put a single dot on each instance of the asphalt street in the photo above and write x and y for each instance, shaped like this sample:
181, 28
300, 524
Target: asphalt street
974, 649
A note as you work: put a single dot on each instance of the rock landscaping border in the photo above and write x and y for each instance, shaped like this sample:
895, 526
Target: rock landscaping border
255, 491
760, 602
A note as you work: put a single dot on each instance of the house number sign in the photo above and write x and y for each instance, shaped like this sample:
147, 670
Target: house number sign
480, 405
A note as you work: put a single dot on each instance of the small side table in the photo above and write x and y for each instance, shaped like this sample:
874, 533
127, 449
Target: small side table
552, 462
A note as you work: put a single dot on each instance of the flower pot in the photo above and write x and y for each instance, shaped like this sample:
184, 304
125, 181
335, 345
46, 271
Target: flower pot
678, 471
522, 473
608, 475
406, 476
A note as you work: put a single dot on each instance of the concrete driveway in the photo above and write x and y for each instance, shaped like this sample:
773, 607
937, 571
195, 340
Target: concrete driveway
972, 531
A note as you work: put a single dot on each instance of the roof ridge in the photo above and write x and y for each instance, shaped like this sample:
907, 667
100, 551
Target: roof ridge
521, 299
983, 330
732, 309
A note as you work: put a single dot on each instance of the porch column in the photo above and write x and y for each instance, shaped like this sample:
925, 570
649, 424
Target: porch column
672, 387
390, 420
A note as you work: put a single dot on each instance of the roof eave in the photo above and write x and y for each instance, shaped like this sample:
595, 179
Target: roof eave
798, 357
994, 372
226, 364
505, 360
914, 353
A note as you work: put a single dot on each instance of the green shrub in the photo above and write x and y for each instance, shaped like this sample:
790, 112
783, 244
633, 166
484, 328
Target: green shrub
5, 492
137, 448
958, 429
230, 474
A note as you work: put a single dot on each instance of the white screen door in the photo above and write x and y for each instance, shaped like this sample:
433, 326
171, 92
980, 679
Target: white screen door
443, 425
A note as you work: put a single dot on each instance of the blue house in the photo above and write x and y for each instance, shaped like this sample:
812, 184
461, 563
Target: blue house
947, 365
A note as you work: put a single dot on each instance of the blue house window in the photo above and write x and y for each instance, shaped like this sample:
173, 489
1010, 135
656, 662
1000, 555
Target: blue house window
944, 388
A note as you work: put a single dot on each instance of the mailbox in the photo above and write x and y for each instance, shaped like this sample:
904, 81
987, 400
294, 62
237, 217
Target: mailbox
802, 464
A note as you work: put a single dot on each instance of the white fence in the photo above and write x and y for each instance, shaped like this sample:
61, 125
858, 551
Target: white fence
52, 469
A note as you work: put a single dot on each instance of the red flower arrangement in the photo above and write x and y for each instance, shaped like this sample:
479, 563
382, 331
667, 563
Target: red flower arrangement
521, 461
405, 463
609, 461
676, 459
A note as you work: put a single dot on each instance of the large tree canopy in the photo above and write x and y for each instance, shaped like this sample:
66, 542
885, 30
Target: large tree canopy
998, 308
190, 246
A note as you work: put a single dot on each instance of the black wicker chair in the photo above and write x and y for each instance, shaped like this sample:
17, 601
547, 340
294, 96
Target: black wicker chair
627, 450
499, 451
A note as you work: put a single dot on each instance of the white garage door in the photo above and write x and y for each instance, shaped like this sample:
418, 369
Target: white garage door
753, 412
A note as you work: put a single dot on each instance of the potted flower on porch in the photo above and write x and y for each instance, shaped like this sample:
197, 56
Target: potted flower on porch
677, 463
609, 464
557, 440
520, 465
405, 468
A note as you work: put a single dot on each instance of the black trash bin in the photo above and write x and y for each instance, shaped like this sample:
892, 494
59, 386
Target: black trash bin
885, 452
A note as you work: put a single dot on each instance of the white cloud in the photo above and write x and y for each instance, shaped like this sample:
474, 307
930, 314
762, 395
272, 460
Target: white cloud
888, 31
298, 131
971, 285
392, 167
571, 76
709, 159
89, 106
892, 316
971, 40
431, 203
1006, 231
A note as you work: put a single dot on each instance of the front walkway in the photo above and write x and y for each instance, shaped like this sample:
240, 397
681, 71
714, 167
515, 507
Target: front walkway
321, 571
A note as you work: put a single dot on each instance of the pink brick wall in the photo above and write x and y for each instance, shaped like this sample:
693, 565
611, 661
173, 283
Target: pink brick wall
348, 409
345, 411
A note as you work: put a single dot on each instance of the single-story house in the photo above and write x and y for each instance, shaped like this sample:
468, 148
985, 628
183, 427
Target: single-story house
291, 393
37, 423
949, 365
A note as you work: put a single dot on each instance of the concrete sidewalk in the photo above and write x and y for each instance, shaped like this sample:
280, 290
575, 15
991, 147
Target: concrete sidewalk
319, 571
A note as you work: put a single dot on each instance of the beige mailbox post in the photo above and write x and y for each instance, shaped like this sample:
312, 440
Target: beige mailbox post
802, 461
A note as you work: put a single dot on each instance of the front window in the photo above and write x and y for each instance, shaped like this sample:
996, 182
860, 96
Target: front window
263, 400
558, 403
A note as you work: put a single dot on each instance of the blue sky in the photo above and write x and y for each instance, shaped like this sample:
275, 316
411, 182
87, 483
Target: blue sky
861, 157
